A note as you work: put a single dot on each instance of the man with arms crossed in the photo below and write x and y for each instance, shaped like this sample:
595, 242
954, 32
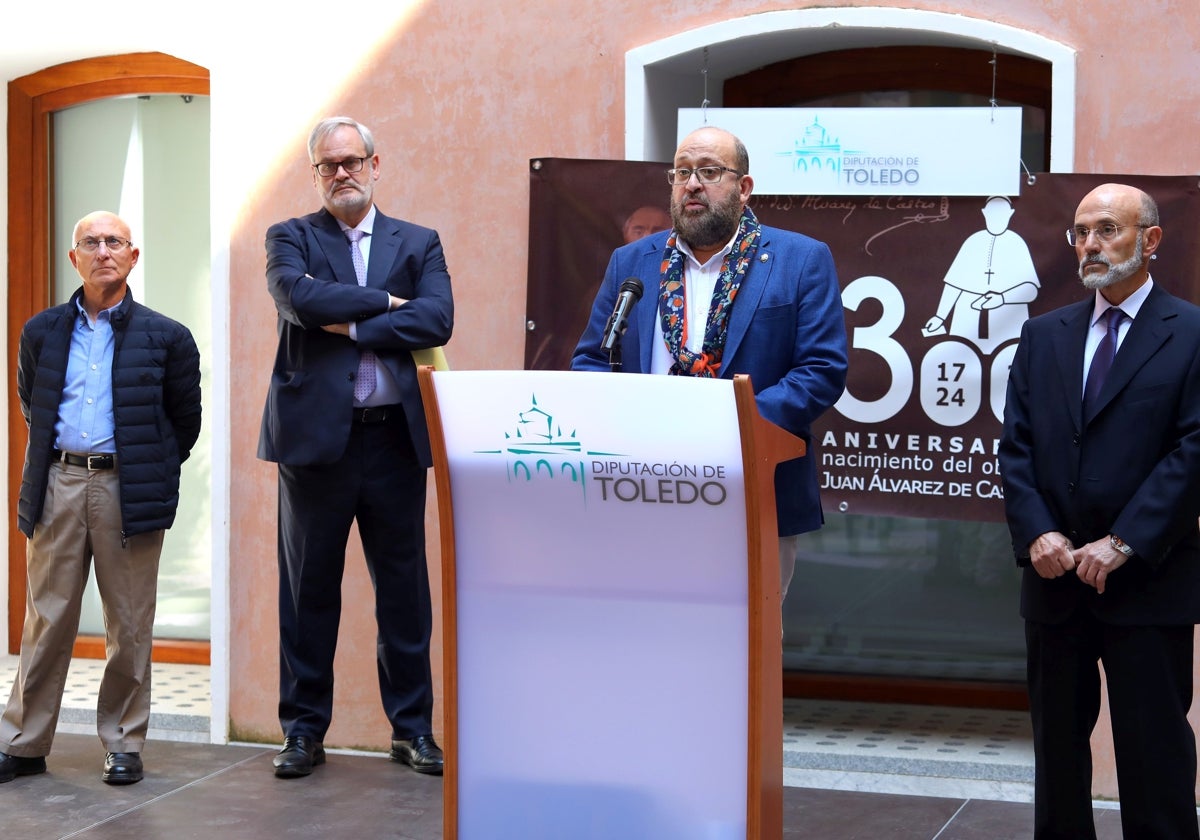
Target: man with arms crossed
356, 292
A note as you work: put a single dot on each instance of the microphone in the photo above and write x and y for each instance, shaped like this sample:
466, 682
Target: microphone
630, 293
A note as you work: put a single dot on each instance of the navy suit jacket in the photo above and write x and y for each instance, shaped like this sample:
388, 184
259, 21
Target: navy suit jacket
311, 278
786, 331
1130, 468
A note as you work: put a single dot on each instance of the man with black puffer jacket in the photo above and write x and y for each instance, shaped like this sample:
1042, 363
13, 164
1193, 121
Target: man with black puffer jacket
110, 390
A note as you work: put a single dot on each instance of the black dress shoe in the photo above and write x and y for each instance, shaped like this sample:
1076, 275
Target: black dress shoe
122, 768
300, 754
421, 754
12, 766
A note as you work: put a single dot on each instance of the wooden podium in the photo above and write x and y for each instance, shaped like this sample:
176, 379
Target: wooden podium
611, 613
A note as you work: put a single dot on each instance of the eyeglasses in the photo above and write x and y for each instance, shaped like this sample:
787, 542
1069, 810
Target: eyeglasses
90, 244
329, 168
1105, 233
704, 174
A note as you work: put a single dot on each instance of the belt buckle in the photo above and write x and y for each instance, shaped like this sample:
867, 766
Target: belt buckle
99, 462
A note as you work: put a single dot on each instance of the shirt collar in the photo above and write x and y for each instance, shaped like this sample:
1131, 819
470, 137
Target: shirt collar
1130, 306
683, 246
103, 312
366, 225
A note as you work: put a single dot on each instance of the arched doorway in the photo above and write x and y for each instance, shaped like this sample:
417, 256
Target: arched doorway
684, 69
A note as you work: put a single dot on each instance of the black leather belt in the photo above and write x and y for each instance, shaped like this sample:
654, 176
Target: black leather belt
372, 414
92, 462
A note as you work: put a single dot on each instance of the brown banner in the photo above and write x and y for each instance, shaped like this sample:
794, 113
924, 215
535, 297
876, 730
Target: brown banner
934, 290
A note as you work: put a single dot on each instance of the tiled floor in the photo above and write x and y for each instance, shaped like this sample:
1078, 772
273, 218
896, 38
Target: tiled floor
180, 706
852, 771
927, 750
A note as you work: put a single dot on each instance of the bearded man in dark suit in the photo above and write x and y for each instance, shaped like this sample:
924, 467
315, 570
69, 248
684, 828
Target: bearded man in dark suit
1101, 462
356, 292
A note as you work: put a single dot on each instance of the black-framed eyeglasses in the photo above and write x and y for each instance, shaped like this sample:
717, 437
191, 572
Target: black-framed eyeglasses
1105, 233
329, 168
91, 244
704, 174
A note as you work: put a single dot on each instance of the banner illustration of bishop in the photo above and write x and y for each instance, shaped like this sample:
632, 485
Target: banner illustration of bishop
989, 286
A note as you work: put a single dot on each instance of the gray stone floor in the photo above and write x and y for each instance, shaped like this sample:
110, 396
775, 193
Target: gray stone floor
229, 792
851, 770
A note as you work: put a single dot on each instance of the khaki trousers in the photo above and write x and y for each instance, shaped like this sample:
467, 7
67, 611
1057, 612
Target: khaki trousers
81, 526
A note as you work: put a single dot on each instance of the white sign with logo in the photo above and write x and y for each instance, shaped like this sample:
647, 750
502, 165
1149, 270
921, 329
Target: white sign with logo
601, 589
874, 151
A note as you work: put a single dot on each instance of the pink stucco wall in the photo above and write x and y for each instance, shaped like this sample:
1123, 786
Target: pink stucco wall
460, 99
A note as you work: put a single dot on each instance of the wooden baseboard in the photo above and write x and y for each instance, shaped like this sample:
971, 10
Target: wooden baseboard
165, 650
925, 692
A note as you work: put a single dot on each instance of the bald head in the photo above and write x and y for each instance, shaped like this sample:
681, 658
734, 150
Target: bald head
1129, 203
104, 218
712, 137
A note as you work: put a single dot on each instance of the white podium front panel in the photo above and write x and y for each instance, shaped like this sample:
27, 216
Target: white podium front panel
601, 589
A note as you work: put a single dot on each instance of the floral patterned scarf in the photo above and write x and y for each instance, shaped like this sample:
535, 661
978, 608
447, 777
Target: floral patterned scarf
672, 301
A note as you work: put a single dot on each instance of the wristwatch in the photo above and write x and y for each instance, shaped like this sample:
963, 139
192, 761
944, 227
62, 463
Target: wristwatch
1120, 545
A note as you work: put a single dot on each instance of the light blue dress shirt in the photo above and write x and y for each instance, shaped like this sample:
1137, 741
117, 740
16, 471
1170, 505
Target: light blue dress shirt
85, 413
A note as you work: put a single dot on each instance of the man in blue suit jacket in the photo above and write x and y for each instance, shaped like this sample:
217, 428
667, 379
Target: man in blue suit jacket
725, 295
356, 292
1102, 495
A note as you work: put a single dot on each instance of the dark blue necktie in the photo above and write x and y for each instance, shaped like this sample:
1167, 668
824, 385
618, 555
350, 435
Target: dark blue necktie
1103, 360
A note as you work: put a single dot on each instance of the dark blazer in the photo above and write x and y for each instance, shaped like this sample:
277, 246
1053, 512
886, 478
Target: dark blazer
1131, 468
786, 331
310, 275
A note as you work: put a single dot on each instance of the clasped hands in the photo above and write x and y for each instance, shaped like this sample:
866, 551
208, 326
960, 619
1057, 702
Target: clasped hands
1052, 556
988, 300
394, 303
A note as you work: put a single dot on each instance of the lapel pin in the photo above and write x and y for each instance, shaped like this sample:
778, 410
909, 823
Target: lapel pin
762, 258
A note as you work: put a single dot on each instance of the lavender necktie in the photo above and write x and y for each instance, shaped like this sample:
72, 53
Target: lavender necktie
1103, 360
364, 381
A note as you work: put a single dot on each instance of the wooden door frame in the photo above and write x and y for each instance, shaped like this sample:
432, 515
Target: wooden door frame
31, 101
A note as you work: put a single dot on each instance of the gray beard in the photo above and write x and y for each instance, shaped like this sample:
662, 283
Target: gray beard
1116, 273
